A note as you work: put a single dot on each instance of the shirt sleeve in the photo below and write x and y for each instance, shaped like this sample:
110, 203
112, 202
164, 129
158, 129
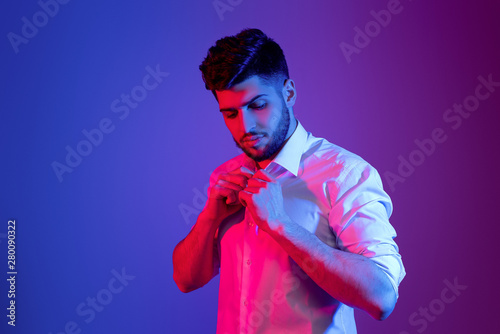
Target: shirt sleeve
360, 219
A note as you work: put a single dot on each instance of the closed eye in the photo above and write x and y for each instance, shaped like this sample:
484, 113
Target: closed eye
258, 106
230, 114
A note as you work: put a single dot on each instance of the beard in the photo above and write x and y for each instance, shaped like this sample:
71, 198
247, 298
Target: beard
276, 140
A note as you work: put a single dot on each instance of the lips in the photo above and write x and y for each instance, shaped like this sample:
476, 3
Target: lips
253, 140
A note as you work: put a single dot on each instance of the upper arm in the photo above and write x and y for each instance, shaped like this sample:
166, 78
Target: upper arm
359, 217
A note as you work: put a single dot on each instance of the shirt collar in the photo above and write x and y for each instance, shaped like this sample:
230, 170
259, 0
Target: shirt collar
290, 155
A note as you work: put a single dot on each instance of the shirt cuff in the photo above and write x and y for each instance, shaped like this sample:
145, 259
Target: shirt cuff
393, 267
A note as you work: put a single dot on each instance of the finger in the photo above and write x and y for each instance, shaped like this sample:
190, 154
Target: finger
222, 193
256, 183
264, 175
245, 197
232, 198
243, 171
236, 179
230, 185
247, 171
252, 190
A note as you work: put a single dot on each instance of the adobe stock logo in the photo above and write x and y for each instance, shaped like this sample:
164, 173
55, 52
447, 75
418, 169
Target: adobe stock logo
425, 315
87, 309
40, 19
455, 117
363, 37
222, 6
95, 137
190, 212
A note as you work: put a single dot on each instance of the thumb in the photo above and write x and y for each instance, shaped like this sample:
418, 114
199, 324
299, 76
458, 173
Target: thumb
231, 198
244, 197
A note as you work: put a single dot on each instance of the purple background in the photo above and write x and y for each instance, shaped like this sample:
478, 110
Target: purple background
120, 207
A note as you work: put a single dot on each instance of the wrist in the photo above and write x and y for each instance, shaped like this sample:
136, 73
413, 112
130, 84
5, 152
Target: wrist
279, 225
209, 219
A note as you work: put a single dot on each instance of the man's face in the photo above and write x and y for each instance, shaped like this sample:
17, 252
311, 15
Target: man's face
257, 117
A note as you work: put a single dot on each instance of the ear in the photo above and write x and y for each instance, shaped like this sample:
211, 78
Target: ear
289, 93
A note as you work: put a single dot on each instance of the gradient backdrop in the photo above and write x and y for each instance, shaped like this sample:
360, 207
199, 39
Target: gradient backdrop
95, 232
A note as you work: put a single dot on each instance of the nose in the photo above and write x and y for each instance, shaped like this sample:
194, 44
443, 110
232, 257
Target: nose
247, 121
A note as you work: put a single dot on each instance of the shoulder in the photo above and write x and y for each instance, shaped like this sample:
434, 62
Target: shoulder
347, 176
335, 160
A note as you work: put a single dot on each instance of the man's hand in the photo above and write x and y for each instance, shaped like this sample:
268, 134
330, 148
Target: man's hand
223, 199
264, 199
194, 258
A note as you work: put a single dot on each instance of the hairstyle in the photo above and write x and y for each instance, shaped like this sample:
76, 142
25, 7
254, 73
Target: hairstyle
233, 59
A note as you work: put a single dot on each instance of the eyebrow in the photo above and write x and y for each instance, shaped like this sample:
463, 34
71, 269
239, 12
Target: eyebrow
244, 104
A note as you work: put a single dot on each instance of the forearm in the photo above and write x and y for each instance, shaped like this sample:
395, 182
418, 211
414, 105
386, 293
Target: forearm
193, 257
350, 278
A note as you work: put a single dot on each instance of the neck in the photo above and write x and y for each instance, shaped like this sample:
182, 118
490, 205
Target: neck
293, 125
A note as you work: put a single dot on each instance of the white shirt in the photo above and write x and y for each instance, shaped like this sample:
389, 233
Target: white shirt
335, 195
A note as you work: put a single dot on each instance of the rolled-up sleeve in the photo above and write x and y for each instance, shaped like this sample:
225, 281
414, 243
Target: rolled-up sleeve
359, 218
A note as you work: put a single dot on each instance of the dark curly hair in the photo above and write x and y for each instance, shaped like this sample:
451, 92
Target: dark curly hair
233, 59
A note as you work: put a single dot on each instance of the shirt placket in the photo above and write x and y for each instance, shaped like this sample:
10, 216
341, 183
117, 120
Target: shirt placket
249, 236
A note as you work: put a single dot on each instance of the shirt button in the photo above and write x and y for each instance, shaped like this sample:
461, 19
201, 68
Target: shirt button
245, 302
249, 262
